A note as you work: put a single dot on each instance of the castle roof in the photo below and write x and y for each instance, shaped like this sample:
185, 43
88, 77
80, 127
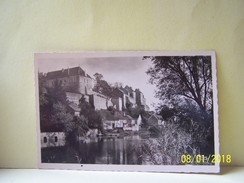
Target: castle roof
66, 72
126, 90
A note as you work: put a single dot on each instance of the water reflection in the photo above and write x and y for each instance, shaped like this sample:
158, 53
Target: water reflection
126, 150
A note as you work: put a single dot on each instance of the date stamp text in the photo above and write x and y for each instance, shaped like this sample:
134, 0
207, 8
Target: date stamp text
198, 158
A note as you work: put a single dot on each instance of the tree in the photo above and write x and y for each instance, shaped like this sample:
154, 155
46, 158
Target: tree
57, 93
102, 86
181, 78
53, 106
98, 76
45, 105
88, 112
184, 87
77, 127
60, 114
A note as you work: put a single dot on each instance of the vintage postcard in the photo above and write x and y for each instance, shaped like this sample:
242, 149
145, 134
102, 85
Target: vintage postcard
127, 111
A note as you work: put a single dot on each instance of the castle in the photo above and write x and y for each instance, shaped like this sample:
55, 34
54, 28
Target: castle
77, 83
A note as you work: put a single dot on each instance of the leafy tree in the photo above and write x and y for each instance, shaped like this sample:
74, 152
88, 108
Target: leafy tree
183, 77
57, 93
45, 104
184, 86
77, 127
102, 86
98, 76
60, 114
88, 112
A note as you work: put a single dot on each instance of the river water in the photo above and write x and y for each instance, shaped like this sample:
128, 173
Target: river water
126, 150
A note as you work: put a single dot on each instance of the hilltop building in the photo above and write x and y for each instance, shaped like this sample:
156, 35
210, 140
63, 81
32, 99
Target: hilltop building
71, 79
130, 97
77, 84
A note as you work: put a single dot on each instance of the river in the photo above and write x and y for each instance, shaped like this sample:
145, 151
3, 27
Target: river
113, 150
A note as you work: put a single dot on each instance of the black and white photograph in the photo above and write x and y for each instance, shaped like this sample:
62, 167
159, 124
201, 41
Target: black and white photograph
131, 111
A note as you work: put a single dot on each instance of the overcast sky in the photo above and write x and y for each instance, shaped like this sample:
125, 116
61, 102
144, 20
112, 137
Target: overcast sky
130, 71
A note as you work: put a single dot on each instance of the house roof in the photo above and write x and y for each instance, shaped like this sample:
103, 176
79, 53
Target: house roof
123, 90
74, 107
137, 90
66, 72
99, 94
57, 127
129, 117
155, 116
128, 89
72, 92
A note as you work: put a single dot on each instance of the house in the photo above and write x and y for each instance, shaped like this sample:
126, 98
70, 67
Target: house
130, 97
117, 103
154, 119
119, 93
74, 109
52, 139
72, 79
99, 101
52, 135
133, 124
112, 121
119, 121
74, 97
130, 125
77, 83
127, 95
140, 99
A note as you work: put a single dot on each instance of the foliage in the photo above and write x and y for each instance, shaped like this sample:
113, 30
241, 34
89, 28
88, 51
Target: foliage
54, 113
135, 111
60, 115
77, 127
52, 103
175, 141
88, 112
186, 77
185, 91
168, 148
102, 86
57, 93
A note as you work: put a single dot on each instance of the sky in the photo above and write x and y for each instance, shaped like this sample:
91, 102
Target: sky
130, 71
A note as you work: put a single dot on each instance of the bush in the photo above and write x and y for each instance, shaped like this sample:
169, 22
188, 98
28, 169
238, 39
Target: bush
175, 141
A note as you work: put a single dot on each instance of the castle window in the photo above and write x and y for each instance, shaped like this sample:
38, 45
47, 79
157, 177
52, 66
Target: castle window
56, 139
45, 139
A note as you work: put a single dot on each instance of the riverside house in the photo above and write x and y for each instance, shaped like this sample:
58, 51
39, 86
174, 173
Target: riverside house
117, 121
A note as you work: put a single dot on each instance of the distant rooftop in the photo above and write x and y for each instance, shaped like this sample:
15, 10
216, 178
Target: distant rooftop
74, 107
66, 72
